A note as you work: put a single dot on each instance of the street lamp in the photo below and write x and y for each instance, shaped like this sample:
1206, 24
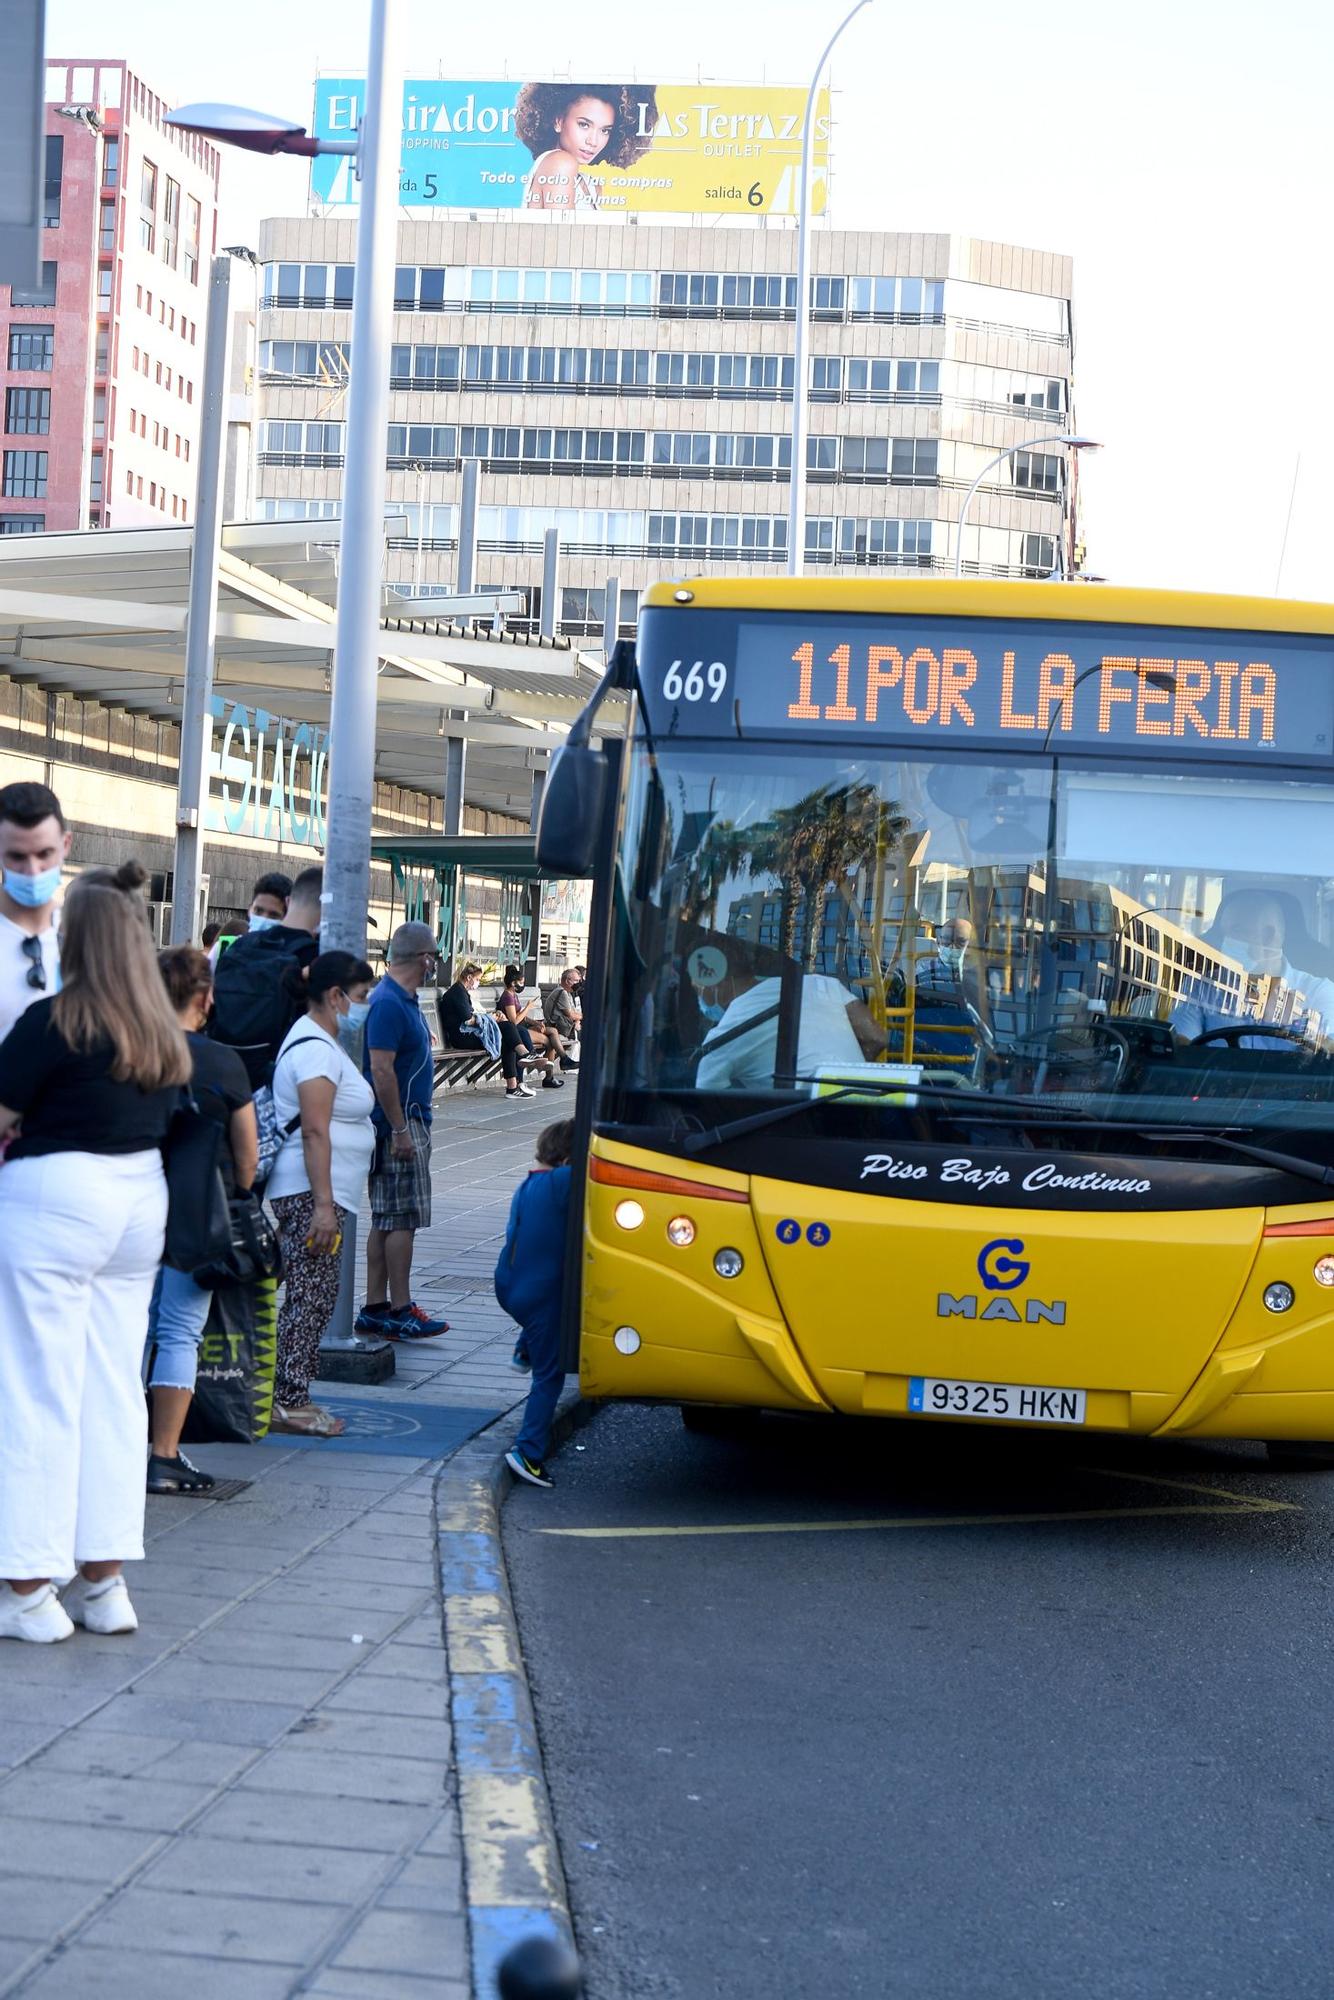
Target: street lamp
375, 150
1072, 439
796, 502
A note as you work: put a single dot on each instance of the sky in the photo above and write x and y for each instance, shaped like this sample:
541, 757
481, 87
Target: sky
1179, 150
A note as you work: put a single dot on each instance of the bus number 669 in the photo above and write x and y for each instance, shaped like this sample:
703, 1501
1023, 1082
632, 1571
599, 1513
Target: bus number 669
690, 686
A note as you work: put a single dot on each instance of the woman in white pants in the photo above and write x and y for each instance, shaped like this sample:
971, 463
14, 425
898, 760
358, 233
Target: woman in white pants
94, 1073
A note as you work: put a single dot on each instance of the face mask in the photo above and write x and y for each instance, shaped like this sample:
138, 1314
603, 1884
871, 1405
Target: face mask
32, 890
263, 923
951, 955
358, 1012
711, 1010
1266, 960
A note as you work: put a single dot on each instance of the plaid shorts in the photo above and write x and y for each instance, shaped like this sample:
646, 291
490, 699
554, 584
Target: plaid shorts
400, 1190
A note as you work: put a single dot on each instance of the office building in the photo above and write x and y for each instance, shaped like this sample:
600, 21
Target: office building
101, 362
631, 386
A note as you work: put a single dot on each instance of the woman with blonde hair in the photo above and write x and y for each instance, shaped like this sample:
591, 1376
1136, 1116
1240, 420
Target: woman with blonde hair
94, 1072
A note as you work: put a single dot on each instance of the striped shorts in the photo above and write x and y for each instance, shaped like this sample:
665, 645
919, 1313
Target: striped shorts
400, 1190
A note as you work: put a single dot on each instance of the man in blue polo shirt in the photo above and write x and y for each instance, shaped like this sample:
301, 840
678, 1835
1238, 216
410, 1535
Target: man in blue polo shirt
400, 1070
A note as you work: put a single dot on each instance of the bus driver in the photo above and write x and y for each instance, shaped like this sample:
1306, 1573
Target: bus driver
1250, 926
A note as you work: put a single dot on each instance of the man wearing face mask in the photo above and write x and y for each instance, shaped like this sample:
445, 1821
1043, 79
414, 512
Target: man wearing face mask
34, 846
943, 974
268, 906
1251, 928
252, 1010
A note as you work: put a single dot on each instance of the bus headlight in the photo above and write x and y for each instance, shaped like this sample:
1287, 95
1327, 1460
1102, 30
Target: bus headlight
1323, 1273
629, 1214
729, 1263
680, 1230
1278, 1298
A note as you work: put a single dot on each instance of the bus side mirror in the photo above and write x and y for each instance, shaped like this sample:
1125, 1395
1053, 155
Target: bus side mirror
569, 819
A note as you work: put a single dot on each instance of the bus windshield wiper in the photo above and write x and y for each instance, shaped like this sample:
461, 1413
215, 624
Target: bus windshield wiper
989, 1111
1265, 1156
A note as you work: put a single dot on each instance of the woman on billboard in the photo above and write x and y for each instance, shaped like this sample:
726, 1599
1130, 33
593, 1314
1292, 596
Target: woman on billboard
570, 127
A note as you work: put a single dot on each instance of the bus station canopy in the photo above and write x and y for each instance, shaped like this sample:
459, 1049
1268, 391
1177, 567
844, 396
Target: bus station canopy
102, 615
495, 857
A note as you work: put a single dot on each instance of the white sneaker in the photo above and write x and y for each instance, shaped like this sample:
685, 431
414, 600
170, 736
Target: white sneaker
101, 1607
525, 1088
37, 1615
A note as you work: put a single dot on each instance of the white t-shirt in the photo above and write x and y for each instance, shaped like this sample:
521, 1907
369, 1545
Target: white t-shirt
16, 993
351, 1134
825, 1035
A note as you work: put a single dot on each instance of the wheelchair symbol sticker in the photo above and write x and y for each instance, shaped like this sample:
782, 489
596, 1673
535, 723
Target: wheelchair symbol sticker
788, 1231
818, 1234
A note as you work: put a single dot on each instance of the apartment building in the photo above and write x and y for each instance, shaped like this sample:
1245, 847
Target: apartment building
101, 363
631, 386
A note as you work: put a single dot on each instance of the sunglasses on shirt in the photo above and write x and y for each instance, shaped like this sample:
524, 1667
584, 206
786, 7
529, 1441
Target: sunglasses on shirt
32, 951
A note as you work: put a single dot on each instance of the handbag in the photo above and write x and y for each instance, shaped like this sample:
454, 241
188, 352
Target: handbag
199, 1226
255, 1250
273, 1136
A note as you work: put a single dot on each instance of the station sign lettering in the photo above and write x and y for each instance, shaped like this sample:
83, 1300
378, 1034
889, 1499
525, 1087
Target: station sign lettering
268, 776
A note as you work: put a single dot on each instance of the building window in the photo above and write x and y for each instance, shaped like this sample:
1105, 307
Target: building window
55, 158
95, 481
148, 205
1038, 471
24, 475
129, 484
111, 163
27, 412
99, 413
106, 229
194, 218
171, 222
914, 461
105, 279
32, 347
102, 352
1039, 554
45, 294
22, 524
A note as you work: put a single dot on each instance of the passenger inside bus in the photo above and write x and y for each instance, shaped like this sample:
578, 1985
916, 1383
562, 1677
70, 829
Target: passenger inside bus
1251, 926
741, 1048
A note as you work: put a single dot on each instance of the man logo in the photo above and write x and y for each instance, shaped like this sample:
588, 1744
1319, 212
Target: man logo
1002, 1267
999, 1270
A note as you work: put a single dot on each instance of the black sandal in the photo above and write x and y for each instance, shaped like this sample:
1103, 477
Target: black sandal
177, 1475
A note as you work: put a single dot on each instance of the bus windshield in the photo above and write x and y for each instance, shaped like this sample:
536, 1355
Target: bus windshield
912, 939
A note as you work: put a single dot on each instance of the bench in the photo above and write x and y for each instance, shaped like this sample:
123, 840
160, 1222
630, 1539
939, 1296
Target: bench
452, 1067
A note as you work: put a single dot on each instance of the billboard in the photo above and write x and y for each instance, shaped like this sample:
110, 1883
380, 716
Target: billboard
596, 149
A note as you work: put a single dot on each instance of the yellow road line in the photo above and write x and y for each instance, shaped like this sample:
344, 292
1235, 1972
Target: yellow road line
894, 1521
1250, 1503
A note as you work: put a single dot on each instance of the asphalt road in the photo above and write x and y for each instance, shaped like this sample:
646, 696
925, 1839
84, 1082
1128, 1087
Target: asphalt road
1025, 1760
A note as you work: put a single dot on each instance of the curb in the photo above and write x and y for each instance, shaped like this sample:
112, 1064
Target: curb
513, 1879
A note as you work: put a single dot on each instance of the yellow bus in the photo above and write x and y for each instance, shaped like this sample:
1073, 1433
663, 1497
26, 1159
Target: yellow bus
960, 1038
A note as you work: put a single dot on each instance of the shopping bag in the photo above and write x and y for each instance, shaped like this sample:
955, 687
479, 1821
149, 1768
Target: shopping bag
233, 1398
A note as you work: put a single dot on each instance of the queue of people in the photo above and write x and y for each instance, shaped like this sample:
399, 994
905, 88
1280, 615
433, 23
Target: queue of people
108, 1051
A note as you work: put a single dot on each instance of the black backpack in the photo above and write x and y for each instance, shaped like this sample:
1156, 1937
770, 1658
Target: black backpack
252, 1012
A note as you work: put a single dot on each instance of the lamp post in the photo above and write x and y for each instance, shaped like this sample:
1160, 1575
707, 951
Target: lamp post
347, 857
796, 502
1073, 440
347, 850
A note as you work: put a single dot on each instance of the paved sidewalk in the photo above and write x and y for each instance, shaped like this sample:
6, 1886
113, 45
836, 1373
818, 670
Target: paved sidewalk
254, 1795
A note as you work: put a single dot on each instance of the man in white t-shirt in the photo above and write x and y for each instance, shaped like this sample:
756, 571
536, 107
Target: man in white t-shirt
736, 1057
34, 846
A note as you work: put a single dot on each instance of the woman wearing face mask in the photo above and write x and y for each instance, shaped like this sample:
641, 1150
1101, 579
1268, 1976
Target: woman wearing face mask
320, 1174
180, 1307
1250, 927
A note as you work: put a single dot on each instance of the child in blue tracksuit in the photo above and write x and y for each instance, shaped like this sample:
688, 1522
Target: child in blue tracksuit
530, 1278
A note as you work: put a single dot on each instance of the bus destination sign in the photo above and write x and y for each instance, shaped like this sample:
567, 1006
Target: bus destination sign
1057, 686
